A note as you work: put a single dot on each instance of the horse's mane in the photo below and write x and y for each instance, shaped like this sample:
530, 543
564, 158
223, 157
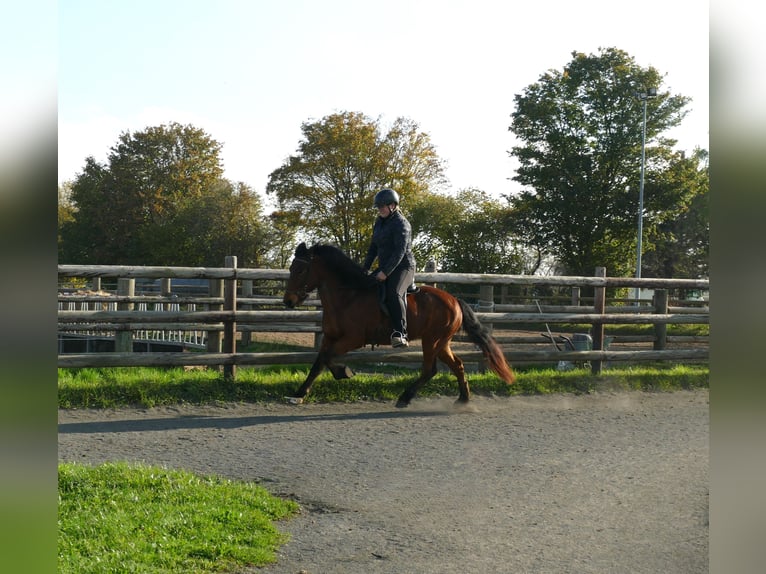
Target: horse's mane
349, 272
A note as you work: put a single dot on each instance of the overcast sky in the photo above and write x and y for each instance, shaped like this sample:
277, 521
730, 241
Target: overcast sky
250, 72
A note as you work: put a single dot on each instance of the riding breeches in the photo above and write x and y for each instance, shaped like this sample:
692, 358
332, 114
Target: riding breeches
396, 297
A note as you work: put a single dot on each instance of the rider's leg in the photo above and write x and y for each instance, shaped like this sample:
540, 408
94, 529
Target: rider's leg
396, 299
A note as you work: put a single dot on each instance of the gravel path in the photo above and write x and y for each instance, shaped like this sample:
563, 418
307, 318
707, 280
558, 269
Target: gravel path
598, 483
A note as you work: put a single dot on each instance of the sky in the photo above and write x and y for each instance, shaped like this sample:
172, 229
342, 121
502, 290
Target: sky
250, 72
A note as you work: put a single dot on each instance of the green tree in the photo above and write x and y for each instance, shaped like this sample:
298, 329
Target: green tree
284, 225
89, 237
468, 233
66, 209
161, 200
225, 220
341, 162
579, 161
680, 246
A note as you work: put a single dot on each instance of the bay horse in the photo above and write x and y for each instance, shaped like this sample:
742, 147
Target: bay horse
353, 317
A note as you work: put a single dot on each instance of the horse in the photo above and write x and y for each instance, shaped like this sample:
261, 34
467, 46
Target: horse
353, 317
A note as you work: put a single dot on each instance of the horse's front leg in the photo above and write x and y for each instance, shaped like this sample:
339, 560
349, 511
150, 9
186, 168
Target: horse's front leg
334, 349
340, 371
314, 372
324, 360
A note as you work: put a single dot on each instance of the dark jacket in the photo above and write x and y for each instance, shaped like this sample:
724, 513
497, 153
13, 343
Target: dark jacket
391, 243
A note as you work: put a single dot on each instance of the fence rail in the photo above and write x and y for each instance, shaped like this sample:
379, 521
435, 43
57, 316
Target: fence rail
225, 313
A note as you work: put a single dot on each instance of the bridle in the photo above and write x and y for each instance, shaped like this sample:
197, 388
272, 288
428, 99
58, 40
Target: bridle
300, 292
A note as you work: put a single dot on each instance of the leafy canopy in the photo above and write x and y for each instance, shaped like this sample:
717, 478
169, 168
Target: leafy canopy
579, 161
327, 187
468, 233
680, 246
160, 200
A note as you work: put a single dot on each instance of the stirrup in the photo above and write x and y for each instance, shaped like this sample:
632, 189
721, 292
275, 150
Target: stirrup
399, 340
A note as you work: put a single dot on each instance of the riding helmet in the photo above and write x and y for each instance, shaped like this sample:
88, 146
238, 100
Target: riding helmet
386, 197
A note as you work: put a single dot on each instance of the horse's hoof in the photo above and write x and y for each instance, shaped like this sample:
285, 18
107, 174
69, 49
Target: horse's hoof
294, 400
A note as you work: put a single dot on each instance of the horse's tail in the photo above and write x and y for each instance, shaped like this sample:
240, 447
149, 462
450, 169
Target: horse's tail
480, 336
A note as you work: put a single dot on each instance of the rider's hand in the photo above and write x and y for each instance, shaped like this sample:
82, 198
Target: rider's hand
380, 276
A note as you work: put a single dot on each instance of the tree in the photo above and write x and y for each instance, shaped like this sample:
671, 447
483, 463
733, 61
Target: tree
342, 161
160, 200
680, 246
88, 238
283, 234
468, 233
225, 220
66, 209
581, 131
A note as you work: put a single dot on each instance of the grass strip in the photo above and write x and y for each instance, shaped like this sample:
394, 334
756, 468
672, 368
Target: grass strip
120, 517
149, 387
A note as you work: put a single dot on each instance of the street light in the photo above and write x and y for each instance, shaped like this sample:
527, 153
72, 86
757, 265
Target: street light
643, 96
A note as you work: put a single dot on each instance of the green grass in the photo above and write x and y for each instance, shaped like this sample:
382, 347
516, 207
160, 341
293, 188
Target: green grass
655, 377
148, 387
135, 518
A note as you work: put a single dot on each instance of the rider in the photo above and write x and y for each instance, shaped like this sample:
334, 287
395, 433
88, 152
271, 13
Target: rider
392, 245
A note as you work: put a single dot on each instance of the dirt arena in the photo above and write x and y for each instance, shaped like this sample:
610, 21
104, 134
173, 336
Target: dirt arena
607, 482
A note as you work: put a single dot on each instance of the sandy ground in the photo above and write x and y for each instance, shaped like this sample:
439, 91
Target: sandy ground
547, 484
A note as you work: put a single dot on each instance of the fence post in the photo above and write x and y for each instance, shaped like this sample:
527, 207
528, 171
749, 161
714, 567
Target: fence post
230, 325
660, 329
597, 329
165, 291
576, 296
247, 291
123, 336
430, 268
215, 289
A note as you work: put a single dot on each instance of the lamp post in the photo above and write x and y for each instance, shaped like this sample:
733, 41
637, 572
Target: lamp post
643, 96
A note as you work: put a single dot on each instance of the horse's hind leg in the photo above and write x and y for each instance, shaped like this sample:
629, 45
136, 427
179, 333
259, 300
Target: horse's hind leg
455, 365
427, 372
409, 393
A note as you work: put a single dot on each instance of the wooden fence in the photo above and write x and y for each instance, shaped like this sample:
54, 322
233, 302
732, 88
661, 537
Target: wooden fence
230, 311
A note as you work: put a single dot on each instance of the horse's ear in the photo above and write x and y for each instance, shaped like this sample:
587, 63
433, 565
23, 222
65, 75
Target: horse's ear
301, 250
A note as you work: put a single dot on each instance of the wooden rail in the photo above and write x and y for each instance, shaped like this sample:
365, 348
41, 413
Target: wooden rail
366, 356
225, 314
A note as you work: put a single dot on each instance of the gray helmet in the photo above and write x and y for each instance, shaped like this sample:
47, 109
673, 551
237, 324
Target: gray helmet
386, 197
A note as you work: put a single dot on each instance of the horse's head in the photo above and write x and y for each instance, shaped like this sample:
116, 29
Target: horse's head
300, 282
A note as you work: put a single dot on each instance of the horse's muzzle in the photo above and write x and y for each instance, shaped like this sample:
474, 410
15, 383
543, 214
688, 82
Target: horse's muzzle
293, 298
